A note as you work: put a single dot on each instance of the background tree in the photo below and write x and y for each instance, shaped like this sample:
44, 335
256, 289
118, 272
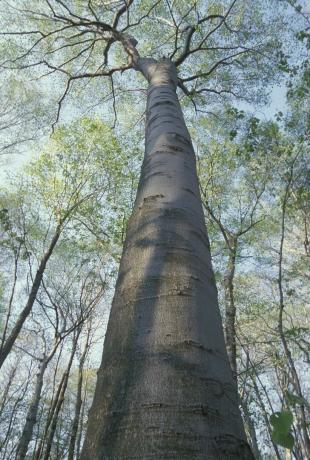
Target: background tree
75, 281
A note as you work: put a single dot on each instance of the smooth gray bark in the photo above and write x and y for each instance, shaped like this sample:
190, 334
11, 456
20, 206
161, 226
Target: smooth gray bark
165, 388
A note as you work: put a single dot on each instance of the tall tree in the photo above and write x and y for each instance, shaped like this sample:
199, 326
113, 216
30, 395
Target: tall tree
164, 387
164, 358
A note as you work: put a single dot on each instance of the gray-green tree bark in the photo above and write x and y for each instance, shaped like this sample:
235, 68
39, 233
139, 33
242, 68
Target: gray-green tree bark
165, 388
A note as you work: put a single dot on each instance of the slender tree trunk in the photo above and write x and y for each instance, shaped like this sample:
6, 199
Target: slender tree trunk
250, 428
49, 420
60, 400
8, 344
266, 416
78, 403
9, 307
165, 388
81, 428
32, 413
230, 309
5, 394
10, 423
36, 438
31, 417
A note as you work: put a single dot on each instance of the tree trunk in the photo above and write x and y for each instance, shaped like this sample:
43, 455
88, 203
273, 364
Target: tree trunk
250, 429
38, 453
8, 344
51, 410
165, 388
81, 425
9, 307
5, 394
11, 421
31, 418
78, 403
32, 413
60, 400
265, 415
230, 308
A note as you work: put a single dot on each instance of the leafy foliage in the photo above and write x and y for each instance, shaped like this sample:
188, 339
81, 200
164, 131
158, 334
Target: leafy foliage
282, 423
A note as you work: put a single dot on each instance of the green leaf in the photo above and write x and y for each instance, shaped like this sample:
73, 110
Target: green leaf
282, 421
283, 439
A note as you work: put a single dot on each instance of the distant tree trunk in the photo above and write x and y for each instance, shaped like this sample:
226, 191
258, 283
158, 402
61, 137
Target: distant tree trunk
60, 400
265, 415
13, 289
250, 428
230, 308
36, 438
5, 394
10, 423
80, 432
51, 410
32, 413
6, 347
78, 403
31, 417
165, 388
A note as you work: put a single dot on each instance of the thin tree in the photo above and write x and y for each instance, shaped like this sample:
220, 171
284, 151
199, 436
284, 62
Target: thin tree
60, 334
79, 400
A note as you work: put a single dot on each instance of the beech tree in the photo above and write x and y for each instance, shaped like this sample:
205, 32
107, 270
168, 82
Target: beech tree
165, 386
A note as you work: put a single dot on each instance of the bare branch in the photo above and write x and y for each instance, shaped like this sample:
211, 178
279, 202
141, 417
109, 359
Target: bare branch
191, 30
215, 66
